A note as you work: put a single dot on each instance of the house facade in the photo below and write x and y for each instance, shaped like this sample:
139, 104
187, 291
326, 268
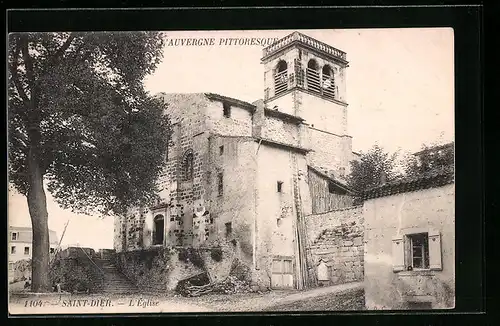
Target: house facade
20, 245
409, 250
250, 174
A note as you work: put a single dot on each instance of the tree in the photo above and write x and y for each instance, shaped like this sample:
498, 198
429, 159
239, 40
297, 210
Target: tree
374, 168
81, 121
430, 158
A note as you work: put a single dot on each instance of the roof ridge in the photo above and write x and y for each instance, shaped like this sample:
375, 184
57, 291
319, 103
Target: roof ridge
432, 179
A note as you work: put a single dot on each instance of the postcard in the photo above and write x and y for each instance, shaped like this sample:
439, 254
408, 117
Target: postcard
228, 171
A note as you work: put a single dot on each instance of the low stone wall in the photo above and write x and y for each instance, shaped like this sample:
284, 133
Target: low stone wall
335, 241
161, 269
316, 223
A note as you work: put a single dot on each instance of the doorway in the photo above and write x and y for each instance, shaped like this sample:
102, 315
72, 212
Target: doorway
159, 229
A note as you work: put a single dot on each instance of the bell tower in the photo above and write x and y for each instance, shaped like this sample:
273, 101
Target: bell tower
307, 78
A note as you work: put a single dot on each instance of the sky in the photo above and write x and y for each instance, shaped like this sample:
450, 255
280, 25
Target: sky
400, 94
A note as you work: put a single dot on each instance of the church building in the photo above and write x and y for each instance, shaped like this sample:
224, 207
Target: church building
249, 174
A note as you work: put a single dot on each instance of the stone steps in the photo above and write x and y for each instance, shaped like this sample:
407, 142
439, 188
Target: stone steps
114, 281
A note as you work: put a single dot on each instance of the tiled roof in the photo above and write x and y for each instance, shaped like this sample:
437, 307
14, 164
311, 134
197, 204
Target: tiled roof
433, 179
253, 106
271, 142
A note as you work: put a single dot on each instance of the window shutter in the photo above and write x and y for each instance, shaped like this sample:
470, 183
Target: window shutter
408, 255
435, 262
398, 257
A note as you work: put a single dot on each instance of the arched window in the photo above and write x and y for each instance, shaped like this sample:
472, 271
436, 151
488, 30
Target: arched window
281, 66
158, 229
312, 75
328, 81
188, 165
313, 64
280, 77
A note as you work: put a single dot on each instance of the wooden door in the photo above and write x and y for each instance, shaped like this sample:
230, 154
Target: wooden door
282, 273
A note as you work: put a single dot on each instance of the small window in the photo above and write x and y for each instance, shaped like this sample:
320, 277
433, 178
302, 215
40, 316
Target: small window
221, 150
14, 236
188, 166
229, 229
331, 187
220, 184
419, 251
26, 250
279, 186
13, 249
226, 110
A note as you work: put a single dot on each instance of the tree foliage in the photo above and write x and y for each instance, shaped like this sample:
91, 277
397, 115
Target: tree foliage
101, 136
81, 122
430, 158
374, 167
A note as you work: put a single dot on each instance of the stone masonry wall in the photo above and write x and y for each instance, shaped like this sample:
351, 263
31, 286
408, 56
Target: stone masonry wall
280, 131
330, 151
336, 239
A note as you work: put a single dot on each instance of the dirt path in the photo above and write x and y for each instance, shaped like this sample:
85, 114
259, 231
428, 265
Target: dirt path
323, 298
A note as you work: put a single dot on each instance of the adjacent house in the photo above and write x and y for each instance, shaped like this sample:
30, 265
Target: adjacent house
20, 245
409, 252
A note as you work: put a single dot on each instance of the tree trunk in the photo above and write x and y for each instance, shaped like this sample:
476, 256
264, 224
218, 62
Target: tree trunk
37, 205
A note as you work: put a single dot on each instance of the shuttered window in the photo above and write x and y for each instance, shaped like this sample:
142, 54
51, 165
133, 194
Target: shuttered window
417, 251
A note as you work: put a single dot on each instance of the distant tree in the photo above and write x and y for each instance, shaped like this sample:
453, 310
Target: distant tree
373, 169
430, 158
81, 121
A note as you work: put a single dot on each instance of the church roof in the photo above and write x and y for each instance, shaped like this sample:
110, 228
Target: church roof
274, 143
253, 106
328, 174
231, 100
283, 116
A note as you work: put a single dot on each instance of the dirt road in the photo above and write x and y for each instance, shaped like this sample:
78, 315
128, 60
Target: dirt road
341, 297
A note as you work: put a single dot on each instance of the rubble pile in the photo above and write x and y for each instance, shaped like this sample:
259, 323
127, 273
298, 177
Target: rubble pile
230, 285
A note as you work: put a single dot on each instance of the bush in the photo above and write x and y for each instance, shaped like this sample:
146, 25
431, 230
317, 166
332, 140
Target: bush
239, 270
76, 275
191, 255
